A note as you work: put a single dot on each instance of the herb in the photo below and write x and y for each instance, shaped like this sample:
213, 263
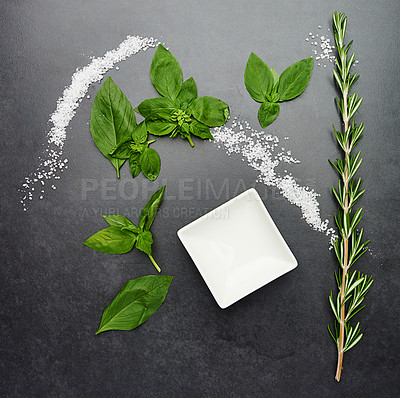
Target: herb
136, 302
141, 157
266, 86
122, 235
352, 286
114, 131
179, 110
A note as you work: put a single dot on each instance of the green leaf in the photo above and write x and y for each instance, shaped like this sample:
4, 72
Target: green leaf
275, 75
123, 149
112, 119
165, 73
157, 126
144, 242
200, 130
136, 302
134, 164
258, 78
267, 113
111, 241
160, 107
188, 91
149, 212
209, 110
139, 133
150, 163
273, 97
294, 79
117, 221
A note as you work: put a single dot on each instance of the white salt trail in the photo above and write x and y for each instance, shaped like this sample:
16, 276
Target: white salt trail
53, 162
259, 150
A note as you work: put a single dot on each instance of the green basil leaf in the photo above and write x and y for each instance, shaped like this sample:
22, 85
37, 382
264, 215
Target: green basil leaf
275, 75
139, 133
200, 130
149, 212
136, 302
118, 221
150, 163
160, 126
258, 78
160, 107
144, 242
123, 149
185, 129
112, 119
267, 113
165, 73
134, 164
136, 230
188, 91
209, 110
111, 241
294, 79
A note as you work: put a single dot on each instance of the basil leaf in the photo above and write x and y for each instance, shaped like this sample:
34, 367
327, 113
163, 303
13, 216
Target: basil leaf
150, 163
111, 241
188, 91
134, 164
209, 110
165, 73
294, 79
160, 107
144, 242
200, 130
133, 228
275, 75
160, 126
150, 210
112, 119
258, 78
135, 303
118, 221
139, 133
123, 149
267, 113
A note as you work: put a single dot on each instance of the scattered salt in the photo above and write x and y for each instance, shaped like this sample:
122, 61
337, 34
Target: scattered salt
257, 150
326, 49
52, 161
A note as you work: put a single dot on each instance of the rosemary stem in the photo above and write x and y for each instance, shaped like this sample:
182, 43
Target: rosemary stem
345, 247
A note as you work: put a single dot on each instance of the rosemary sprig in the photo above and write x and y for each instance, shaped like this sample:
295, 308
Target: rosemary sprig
352, 286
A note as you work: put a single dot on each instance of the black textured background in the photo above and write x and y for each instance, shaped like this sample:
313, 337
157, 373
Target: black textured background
272, 343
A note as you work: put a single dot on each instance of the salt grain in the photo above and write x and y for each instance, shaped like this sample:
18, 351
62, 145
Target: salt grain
53, 162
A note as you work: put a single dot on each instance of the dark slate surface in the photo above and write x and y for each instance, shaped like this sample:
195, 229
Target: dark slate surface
274, 342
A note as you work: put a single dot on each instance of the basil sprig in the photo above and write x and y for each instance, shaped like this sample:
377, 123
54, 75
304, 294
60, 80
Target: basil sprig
266, 86
122, 235
136, 302
141, 157
179, 110
115, 133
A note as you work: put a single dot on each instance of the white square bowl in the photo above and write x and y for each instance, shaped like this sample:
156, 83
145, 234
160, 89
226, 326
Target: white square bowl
237, 248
